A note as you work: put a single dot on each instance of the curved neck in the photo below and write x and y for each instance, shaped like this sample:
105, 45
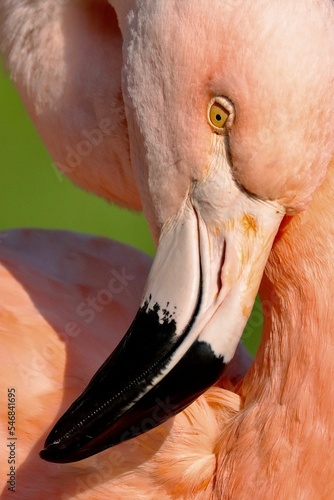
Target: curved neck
297, 347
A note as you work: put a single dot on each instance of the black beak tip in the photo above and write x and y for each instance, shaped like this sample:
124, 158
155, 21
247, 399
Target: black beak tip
61, 455
70, 442
52, 453
63, 450
54, 449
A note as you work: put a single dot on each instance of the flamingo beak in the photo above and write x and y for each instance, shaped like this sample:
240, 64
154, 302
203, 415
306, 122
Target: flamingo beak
197, 300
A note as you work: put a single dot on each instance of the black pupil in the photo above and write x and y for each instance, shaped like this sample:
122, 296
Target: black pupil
218, 118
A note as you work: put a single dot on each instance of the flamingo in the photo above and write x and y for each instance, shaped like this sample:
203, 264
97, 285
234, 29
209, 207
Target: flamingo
217, 123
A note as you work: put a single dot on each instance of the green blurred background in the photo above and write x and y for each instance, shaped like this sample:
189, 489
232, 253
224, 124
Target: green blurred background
33, 195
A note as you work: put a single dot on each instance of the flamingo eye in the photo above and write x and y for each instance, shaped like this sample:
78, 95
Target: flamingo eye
220, 114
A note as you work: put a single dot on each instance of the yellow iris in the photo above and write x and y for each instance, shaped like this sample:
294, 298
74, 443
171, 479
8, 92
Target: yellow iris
218, 116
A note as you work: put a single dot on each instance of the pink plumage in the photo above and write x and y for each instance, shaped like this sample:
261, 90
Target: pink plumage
217, 121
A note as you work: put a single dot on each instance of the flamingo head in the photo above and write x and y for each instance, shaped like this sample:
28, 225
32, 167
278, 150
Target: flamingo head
229, 114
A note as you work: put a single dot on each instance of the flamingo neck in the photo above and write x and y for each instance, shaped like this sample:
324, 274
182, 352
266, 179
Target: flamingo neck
295, 358
281, 440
